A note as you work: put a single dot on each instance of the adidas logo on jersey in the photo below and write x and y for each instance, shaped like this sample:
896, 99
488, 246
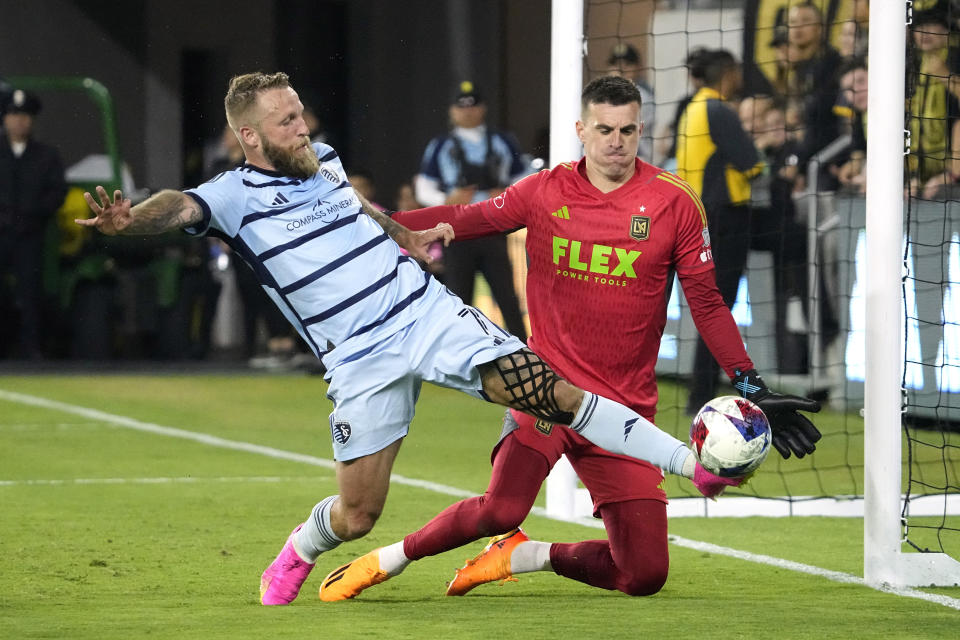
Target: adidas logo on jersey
280, 199
563, 213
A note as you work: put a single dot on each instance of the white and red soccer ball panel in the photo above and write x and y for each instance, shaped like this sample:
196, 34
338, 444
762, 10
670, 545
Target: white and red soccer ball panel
730, 436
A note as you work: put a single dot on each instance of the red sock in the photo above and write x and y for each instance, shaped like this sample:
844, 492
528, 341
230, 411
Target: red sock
517, 475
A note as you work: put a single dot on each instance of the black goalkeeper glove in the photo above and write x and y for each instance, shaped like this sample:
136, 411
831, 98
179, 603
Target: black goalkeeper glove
792, 432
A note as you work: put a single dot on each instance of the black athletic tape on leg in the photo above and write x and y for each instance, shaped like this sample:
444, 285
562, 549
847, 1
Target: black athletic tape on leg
530, 383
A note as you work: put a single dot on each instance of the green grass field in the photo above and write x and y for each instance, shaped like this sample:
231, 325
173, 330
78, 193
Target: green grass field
109, 531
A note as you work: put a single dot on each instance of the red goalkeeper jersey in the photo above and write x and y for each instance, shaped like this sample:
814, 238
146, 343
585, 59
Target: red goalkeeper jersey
598, 269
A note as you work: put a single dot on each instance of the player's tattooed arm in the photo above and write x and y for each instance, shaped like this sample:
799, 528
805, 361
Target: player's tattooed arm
416, 243
164, 211
392, 229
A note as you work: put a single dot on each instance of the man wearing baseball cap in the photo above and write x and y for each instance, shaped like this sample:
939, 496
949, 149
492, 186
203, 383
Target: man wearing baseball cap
32, 188
472, 163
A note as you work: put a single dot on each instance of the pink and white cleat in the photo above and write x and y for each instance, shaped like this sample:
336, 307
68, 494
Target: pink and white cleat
281, 582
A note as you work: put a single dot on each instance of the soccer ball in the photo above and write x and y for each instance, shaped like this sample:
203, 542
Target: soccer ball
730, 436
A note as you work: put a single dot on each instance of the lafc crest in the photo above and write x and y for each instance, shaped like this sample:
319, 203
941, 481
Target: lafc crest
544, 427
639, 227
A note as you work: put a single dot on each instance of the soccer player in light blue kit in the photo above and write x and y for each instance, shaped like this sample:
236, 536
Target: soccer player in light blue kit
332, 264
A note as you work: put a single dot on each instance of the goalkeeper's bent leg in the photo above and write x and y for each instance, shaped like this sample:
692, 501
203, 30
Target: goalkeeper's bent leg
522, 380
634, 559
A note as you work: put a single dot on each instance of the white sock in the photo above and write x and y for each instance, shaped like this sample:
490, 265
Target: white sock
689, 466
530, 556
616, 428
393, 560
316, 535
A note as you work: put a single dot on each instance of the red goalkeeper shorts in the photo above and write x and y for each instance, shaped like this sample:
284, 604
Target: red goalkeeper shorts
610, 477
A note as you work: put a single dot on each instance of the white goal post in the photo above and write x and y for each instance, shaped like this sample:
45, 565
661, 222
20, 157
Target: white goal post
884, 561
566, 83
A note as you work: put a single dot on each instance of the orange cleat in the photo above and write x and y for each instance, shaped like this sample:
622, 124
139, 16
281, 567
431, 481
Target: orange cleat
493, 563
349, 580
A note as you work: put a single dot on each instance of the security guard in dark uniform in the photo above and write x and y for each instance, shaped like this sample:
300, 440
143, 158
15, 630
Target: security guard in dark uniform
469, 164
32, 188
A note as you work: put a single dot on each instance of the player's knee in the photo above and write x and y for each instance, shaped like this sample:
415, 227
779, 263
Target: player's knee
644, 581
358, 523
501, 516
567, 396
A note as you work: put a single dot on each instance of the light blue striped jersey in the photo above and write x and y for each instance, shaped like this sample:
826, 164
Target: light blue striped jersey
332, 270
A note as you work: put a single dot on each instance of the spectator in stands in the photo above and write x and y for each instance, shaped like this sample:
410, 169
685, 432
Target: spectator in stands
718, 159
780, 43
469, 164
852, 107
934, 109
752, 111
853, 40
812, 79
775, 228
32, 188
779, 151
793, 115
812, 88
625, 60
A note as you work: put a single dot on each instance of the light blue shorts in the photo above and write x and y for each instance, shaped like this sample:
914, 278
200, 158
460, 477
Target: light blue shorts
374, 396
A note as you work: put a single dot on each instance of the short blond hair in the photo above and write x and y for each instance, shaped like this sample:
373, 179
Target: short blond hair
244, 89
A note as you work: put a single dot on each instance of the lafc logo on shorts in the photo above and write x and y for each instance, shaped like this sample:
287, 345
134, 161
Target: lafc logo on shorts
341, 431
639, 227
544, 427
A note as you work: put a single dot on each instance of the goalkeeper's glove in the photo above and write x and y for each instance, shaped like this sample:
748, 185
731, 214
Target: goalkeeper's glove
792, 432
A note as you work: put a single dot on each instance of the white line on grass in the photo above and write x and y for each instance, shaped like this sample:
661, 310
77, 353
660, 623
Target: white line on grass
60, 425
835, 576
214, 441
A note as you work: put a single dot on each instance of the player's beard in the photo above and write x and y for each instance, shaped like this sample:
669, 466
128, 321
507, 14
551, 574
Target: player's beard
295, 162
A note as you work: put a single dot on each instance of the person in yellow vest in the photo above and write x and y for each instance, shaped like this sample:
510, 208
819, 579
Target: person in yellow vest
717, 157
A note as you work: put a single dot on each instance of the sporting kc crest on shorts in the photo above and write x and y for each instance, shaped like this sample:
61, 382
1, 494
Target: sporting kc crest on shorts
340, 430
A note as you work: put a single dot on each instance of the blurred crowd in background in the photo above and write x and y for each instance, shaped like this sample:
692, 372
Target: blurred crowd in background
67, 294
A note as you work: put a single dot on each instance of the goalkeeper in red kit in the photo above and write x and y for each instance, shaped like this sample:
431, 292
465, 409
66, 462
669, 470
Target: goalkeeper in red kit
603, 234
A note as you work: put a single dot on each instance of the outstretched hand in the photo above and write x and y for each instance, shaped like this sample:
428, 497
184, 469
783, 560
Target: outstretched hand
110, 216
418, 243
792, 431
